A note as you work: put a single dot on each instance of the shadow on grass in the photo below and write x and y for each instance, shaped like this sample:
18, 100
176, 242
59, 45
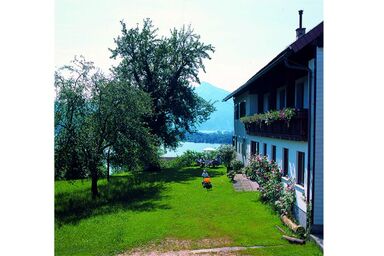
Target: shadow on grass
121, 193
142, 192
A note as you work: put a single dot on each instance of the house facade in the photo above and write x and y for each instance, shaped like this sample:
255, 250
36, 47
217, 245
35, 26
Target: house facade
293, 79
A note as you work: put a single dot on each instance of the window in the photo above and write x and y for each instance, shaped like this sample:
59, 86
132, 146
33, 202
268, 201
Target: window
265, 149
285, 162
244, 148
253, 104
300, 168
242, 109
236, 111
266, 102
254, 148
274, 153
280, 101
299, 95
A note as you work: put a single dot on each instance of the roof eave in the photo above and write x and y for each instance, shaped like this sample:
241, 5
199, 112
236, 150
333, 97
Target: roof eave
265, 69
292, 48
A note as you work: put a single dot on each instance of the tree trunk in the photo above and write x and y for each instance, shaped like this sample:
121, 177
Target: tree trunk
95, 192
108, 164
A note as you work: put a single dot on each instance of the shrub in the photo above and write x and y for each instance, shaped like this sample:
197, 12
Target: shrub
236, 165
284, 204
268, 175
227, 154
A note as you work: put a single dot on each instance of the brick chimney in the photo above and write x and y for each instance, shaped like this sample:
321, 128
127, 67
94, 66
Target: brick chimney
300, 31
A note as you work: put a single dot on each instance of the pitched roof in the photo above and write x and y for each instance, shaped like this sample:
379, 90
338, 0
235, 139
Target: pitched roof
296, 46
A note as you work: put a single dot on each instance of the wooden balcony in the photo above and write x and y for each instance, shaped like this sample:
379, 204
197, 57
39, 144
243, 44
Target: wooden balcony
295, 129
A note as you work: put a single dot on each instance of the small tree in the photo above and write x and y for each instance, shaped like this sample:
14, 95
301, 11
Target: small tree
95, 114
227, 154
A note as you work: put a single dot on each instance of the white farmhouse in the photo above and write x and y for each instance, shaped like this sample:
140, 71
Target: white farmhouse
293, 79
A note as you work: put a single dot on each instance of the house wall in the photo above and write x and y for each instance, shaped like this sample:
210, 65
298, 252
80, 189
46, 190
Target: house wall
318, 175
239, 129
243, 152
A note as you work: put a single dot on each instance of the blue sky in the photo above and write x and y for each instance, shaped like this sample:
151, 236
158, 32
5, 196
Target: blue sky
246, 34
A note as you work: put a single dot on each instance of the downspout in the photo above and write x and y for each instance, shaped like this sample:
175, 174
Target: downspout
305, 68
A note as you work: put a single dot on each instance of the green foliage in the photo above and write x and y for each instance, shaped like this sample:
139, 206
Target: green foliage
268, 175
270, 116
165, 68
188, 158
236, 165
94, 114
227, 154
284, 204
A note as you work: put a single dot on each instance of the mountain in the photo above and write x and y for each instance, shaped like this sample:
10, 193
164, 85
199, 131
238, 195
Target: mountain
222, 118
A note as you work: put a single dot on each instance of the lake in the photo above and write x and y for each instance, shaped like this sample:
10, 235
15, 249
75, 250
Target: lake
190, 146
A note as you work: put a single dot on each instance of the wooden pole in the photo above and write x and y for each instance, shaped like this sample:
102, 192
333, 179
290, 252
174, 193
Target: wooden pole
296, 228
294, 240
281, 230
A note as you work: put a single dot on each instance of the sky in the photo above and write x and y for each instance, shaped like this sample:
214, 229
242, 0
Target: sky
246, 34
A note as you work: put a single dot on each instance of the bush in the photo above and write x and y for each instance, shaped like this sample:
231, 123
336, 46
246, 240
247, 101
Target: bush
284, 204
188, 158
226, 154
268, 175
236, 165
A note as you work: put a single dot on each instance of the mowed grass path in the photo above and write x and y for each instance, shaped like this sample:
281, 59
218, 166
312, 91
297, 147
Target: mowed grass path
171, 205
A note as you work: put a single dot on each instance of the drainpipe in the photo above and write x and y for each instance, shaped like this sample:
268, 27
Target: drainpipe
305, 68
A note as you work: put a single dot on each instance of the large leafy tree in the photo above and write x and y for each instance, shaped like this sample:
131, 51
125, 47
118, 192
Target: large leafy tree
166, 68
95, 115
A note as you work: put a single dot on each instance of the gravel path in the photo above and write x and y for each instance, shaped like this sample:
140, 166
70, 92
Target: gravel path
213, 251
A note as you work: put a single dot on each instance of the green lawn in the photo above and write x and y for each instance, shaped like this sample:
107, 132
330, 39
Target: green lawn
166, 206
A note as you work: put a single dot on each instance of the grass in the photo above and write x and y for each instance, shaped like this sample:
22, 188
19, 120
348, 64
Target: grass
167, 206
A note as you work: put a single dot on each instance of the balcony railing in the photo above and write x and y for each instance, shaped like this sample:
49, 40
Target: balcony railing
295, 129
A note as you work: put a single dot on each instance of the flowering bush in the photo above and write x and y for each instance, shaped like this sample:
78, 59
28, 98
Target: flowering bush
268, 175
270, 116
288, 196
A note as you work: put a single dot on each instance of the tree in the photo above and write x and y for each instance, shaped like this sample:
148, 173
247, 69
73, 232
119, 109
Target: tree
165, 68
95, 114
227, 154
